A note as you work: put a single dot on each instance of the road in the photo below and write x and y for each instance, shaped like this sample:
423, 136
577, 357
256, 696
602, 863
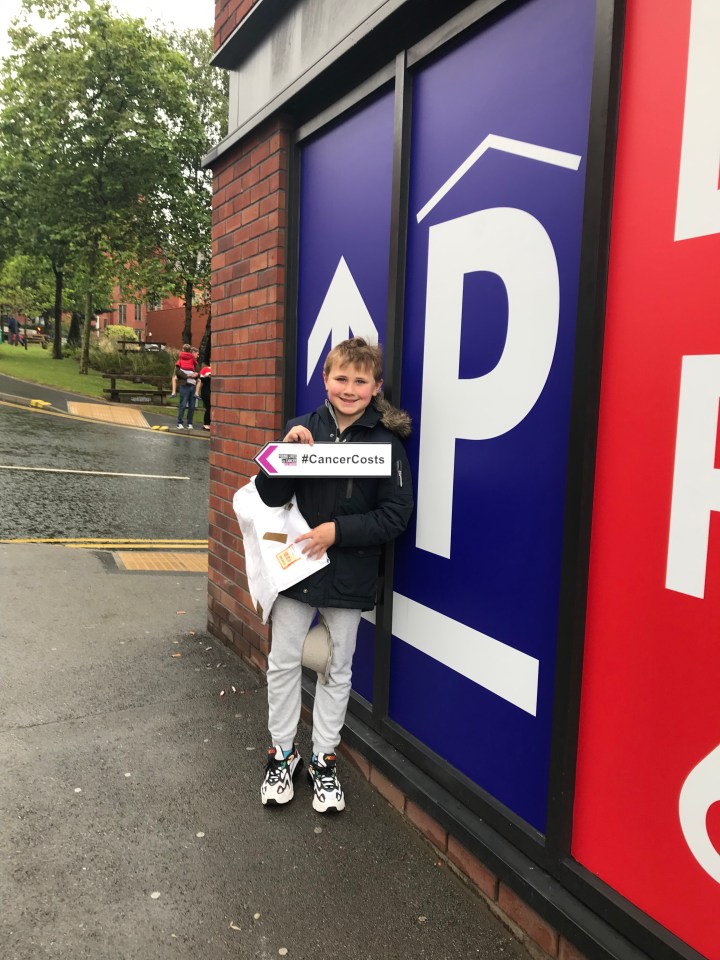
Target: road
40, 499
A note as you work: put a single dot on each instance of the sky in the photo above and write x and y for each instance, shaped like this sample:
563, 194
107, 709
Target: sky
180, 13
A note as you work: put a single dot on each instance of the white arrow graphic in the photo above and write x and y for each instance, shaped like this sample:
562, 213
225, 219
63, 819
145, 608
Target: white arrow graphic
532, 151
343, 313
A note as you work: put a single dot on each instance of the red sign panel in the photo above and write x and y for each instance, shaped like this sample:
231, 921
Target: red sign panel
648, 777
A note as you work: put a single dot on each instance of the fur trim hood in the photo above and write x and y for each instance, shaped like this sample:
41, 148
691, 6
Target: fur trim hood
396, 420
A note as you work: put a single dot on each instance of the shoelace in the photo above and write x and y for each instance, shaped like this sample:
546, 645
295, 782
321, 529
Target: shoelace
327, 777
275, 768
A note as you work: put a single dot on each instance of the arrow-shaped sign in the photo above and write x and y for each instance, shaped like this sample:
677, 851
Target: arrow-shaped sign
343, 314
262, 458
326, 459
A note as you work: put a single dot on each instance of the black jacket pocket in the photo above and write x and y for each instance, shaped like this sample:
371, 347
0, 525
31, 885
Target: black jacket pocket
356, 571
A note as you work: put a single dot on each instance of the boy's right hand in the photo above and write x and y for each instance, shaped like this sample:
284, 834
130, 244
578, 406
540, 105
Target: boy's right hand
299, 434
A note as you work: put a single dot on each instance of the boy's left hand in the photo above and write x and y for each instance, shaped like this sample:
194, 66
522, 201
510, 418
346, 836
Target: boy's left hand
320, 537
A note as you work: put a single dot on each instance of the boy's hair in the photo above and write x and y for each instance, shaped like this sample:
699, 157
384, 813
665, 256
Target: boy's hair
358, 352
187, 348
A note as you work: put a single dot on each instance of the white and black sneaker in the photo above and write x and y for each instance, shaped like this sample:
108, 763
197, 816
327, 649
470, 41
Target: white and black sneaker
328, 796
277, 786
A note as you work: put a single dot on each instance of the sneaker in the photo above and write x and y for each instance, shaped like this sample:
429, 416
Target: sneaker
205, 427
327, 793
190, 427
277, 787
180, 426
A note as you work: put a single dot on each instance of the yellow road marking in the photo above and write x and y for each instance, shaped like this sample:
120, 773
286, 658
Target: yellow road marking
127, 543
194, 563
69, 416
115, 414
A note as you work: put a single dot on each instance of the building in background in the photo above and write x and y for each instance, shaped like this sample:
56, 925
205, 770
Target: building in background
162, 321
520, 199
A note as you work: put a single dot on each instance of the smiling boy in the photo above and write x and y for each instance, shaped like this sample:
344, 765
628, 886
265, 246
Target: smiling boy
351, 519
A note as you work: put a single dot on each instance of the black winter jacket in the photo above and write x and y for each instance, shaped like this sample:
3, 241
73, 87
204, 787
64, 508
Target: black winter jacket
368, 511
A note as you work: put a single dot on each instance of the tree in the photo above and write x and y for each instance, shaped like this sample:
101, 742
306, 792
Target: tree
26, 285
187, 244
88, 120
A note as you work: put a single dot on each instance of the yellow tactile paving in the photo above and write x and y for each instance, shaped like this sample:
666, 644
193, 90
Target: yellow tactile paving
161, 560
115, 414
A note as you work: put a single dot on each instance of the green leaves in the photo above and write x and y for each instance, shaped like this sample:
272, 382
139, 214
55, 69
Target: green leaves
103, 124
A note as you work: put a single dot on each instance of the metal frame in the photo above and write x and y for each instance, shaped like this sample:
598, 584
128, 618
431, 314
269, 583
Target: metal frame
584, 412
341, 107
540, 868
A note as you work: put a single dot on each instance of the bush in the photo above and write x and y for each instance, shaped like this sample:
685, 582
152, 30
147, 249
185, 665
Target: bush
160, 364
117, 332
107, 358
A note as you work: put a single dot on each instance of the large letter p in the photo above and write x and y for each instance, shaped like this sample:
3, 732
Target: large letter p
514, 245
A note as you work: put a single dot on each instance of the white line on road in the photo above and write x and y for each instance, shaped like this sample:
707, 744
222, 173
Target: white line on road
92, 473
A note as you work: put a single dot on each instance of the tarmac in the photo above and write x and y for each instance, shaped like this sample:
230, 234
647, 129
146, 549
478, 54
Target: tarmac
131, 826
21, 392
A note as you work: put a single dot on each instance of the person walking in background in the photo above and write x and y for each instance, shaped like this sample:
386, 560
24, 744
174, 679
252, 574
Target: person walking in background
185, 380
12, 326
203, 391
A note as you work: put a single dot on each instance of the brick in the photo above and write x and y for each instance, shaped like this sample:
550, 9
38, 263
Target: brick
249, 187
357, 760
529, 922
473, 869
436, 834
388, 790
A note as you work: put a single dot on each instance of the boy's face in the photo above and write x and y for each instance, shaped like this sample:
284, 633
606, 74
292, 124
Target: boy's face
350, 389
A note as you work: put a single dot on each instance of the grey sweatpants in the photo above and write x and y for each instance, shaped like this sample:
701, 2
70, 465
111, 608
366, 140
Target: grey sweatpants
290, 623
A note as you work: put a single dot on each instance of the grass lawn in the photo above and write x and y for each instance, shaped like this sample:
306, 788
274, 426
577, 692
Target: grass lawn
37, 366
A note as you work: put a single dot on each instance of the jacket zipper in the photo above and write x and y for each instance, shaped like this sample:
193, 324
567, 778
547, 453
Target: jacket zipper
399, 472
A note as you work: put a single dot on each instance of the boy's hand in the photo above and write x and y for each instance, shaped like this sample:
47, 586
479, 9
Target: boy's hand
320, 537
299, 434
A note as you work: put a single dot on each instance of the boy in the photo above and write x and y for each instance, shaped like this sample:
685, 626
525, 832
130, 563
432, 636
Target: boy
351, 519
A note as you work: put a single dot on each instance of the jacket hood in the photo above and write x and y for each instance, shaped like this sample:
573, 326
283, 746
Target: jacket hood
396, 420
186, 355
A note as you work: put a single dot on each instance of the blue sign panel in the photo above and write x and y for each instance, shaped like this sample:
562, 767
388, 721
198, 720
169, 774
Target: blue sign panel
345, 191
500, 130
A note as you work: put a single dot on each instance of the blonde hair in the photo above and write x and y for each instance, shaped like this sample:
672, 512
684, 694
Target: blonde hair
358, 352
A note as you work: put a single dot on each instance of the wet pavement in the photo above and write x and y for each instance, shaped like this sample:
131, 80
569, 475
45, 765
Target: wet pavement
40, 503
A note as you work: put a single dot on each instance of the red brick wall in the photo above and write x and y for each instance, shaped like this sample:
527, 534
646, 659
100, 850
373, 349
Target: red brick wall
249, 186
228, 14
167, 324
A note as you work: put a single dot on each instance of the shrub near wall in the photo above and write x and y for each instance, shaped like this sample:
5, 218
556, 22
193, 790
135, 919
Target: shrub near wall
249, 216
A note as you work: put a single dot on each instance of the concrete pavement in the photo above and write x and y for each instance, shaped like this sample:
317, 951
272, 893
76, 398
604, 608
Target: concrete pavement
130, 821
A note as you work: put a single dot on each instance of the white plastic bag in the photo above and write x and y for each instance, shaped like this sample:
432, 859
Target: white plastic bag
272, 561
